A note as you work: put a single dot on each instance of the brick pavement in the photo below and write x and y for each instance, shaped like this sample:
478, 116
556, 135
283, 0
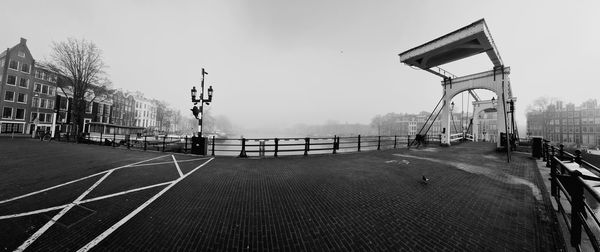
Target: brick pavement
369, 201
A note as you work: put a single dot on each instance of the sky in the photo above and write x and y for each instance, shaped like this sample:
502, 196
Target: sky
275, 63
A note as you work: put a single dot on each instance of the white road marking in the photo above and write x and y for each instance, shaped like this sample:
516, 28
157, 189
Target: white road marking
77, 180
168, 162
114, 227
83, 201
177, 165
54, 219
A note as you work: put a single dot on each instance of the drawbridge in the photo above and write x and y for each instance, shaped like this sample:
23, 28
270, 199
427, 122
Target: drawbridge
465, 42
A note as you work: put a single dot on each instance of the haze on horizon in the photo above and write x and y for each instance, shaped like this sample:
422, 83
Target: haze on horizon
275, 64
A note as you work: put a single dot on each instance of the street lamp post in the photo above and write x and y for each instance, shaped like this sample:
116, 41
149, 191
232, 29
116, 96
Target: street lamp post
199, 143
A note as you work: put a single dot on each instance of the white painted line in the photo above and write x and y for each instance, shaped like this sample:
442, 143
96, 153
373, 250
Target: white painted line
32, 212
114, 227
83, 201
177, 165
54, 219
125, 192
76, 180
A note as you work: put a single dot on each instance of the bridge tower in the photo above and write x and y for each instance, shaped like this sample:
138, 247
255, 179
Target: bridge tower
467, 41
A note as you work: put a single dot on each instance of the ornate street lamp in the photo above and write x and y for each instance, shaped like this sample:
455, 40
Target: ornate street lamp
197, 112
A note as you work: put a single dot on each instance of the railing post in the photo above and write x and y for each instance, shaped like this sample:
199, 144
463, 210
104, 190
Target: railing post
213, 146
306, 145
561, 152
101, 138
145, 143
359, 143
544, 150
243, 152
553, 176
164, 140
378, 142
128, 138
408, 141
549, 155
576, 208
276, 146
334, 142
185, 145
114, 138
395, 141
577, 157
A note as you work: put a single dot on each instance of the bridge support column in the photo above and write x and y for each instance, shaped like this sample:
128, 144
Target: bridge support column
445, 132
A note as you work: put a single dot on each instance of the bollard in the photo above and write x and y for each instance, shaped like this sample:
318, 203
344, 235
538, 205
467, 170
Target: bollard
276, 146
213, 146
145, 143
243, 151
378, 142
359, 143
395, 141
306, 145
577, 209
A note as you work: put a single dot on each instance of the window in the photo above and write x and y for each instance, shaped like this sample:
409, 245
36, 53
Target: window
33, 116
42, 103
21, 54
20, 115
42, 117
53, 78
7, 113
9, 96
35, 102
24, 82
22, 98
88, 108
44, 89
38, 74
11, 80
48, 117
51, 90
50, 104
63, 103
62, 117
38, 88
13, 65
25, 67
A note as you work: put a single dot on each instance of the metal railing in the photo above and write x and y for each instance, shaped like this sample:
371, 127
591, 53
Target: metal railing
244, 147
575, 180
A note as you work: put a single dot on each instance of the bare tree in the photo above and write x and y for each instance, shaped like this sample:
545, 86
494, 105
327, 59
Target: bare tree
81, 73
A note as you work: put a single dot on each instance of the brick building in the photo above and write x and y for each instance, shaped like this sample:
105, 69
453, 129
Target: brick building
569, 124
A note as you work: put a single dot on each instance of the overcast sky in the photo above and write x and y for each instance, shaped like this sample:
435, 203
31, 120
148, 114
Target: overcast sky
276, 63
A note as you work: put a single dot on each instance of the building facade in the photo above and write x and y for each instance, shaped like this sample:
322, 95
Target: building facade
570, 125
145, 112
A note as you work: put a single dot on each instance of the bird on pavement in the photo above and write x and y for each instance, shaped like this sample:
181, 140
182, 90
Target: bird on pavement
425, 179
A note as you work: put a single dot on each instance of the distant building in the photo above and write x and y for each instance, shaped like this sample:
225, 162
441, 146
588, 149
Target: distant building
145, 112
27, 93
569, 125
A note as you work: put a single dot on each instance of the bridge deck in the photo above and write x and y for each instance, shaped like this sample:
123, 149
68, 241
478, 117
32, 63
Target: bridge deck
363, 201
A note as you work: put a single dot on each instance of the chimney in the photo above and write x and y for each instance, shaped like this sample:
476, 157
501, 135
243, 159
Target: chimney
23, 41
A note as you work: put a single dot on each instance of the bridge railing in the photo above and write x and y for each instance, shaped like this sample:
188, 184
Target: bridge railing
574, 187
